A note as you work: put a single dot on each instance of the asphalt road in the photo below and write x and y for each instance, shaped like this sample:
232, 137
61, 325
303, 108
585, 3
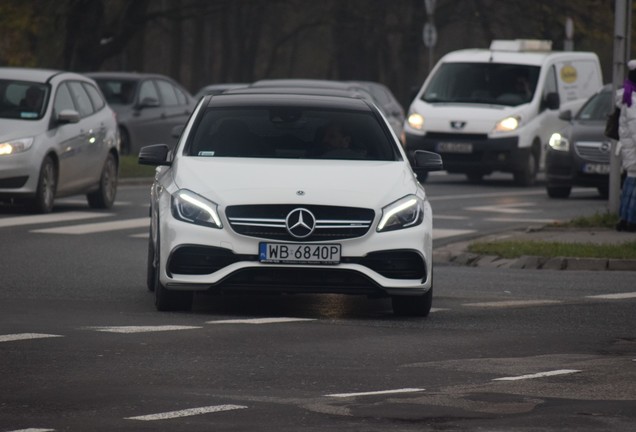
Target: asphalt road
82, 348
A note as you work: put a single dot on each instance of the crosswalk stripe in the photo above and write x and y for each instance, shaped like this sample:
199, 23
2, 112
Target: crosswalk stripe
439, 233
49, 218
187, 412
142, 329
97, 227
26, 336
259, 321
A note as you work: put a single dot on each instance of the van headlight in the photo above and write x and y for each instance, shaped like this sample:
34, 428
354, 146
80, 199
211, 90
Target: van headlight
15, 146
508, 124
403, 213
558, 142
416, 121
193, 208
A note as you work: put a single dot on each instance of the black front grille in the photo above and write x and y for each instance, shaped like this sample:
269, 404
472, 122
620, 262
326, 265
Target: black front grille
593, 151
13, 182
456, 137
268, 221
199, 260
396, 264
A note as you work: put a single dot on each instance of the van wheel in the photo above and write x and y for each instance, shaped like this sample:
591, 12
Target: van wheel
47, 187
104, 196
558, 191
527, 174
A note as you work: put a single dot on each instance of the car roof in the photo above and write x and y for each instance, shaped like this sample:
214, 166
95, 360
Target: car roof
31, 74
233, 99
300, 82
125, 75
304, 90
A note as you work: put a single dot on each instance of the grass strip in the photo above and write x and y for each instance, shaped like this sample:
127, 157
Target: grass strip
515, 249
130, 168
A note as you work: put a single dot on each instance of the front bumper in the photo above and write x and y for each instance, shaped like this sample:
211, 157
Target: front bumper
566, 169
377, 264
486, 154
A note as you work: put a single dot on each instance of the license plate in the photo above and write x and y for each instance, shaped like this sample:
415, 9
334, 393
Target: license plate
296, 253
451, 147
596, 168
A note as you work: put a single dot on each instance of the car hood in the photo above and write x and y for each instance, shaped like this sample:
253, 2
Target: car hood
593, 131
15, 128
233, 181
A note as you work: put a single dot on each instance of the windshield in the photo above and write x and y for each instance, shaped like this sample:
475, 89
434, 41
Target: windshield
118, 91
291, 132
22, 99
483, 83
597, 107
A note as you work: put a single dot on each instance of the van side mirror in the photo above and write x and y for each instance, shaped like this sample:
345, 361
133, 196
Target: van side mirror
552, 101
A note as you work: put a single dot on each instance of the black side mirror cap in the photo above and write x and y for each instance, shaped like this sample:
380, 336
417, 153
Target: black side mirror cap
427, 161
156, 154
552, 101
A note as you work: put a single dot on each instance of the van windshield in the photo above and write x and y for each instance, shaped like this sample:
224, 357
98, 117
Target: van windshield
483, 83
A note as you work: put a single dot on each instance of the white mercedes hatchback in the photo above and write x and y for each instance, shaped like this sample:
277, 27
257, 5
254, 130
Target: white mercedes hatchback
289, 194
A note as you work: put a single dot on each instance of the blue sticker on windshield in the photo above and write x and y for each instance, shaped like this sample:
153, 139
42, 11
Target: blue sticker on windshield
28, 115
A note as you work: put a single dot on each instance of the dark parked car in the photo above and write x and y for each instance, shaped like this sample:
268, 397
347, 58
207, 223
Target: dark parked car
579, 155
58, 137
148, 107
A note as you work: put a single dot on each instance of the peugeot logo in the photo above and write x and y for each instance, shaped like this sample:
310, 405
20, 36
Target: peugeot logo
458, 124
300, 223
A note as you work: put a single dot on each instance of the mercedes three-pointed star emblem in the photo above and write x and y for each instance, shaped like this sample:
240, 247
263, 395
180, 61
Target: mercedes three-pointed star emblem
300, 223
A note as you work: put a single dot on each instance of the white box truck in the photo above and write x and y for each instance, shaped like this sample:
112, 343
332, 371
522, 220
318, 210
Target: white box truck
487, 110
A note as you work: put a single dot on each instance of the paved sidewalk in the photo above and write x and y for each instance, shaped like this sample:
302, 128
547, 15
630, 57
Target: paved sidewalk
457, 253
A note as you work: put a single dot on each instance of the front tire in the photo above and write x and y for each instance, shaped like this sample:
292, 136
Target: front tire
104, 196
527, 174
558, 191
419, 306
47, 187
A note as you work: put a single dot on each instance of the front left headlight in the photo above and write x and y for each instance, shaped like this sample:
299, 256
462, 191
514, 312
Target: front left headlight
15, 146
558, 142
403, 213
190, 207
508, 124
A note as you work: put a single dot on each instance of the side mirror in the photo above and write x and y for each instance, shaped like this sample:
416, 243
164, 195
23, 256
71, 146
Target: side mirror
566, 115
427, 161
156, 154
68, 116
552, 101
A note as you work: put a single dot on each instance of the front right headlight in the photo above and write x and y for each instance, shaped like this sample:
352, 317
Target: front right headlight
558, 142
15, 146
188, 206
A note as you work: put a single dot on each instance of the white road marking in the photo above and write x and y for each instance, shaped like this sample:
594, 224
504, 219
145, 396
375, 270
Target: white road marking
524, 220
259, 321
618, 296
142, 329
439, 233
381, 392
539, 375
438, 309
34, 430
187, 412
484, 195
25, 336
97, 227
513, 303
49, 218
505, 208
449, 217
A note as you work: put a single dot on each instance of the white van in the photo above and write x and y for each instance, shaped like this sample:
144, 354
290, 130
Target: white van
487, 110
